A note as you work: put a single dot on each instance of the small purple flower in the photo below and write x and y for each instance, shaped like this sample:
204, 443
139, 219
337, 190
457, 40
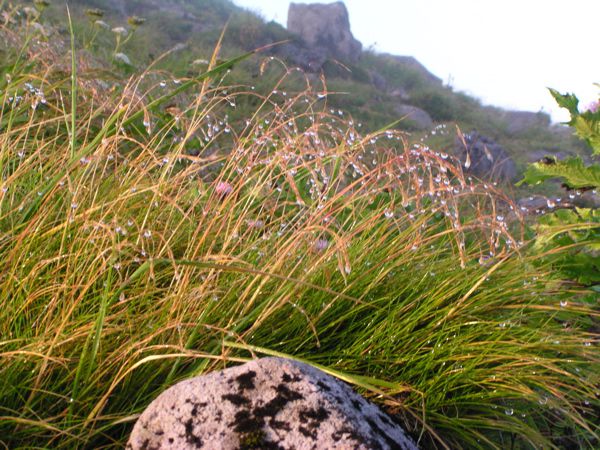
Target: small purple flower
320, 245
223, 188
255, 223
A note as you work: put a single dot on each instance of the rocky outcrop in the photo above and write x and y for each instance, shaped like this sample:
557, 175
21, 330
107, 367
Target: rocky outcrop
269, 403
378, 80
309, 59
484, 158
518, 122
414, 117
411, 64
325, 27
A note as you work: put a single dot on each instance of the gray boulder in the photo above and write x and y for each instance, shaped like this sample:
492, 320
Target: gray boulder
412, 65
378, 80
325, 26
399, 94
518, 122
415, 117
309, 59
532, 205
269, 403
484, 158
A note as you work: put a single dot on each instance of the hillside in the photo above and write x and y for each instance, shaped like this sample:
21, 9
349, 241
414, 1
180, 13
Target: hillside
374, 89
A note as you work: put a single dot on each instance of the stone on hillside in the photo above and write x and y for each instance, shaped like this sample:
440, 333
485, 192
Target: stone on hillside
410, 63
485, 158
400, 94
378, 80
518, 122
416, 117
269, 403
309, 59
532, 204
325, 26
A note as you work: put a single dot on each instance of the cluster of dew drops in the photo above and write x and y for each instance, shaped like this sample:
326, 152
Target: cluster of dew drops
294, 139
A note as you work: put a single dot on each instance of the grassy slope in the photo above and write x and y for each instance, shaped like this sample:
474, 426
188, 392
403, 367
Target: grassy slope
168, 26
170, 241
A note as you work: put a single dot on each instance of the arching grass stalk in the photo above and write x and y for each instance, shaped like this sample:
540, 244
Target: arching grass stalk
161, 254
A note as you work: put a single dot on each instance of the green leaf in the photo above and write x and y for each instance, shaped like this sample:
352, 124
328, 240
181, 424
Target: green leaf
569, 241
567, 101
573, 171
589, 130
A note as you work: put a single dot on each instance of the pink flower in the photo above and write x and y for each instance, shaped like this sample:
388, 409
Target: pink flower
593, 107
224, 188
320, 245
255, 223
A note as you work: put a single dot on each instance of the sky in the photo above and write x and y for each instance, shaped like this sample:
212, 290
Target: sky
506, 53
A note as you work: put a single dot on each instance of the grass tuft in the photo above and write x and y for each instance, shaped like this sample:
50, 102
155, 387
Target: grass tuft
179, 241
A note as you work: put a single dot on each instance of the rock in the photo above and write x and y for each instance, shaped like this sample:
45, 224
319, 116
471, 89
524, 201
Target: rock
532, 205
414, 116
539, 204
484, 158
378, 80
588, 199
309, 59
269, 403
518, 122
325, 26
409, 63
562, 131
400, 93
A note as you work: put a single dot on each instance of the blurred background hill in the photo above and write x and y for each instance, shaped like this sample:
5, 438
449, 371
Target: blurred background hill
375, 89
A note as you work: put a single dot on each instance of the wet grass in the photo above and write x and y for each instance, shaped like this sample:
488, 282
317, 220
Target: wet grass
162, 240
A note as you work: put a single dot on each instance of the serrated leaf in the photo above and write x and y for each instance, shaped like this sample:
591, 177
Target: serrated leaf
588, 130
567, 101
573, 171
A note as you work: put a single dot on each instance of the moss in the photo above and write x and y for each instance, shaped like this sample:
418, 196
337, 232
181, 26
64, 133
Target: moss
253, 441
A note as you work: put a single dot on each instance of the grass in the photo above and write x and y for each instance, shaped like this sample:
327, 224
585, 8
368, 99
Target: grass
179, 241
